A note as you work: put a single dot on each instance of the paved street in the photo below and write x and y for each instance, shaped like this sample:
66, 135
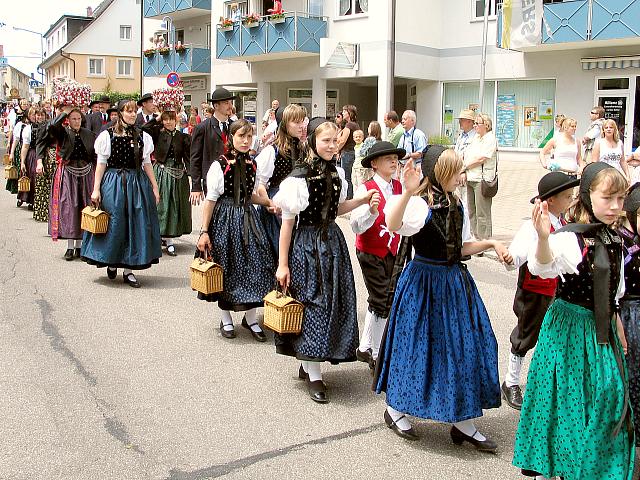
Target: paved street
101, 381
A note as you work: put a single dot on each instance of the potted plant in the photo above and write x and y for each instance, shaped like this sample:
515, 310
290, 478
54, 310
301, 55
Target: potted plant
278, 17
226, 24
180, 48
164, 50
252, 20
149, 52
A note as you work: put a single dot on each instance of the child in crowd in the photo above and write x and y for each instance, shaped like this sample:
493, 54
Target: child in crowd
534, 295
376, 246
358, 172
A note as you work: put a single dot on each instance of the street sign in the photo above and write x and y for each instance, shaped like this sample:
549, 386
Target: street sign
4, 61
33, 83
173, 79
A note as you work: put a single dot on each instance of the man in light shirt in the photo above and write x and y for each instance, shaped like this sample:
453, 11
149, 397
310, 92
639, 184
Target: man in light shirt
467, 132
413, 140
392, 122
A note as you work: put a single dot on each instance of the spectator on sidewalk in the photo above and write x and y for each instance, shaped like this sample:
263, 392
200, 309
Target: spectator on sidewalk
467, 132
594, 132
266, 118
392, 122
346, 144
413, 140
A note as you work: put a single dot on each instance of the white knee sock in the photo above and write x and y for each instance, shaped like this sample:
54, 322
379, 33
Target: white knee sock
399, 418
169, 241
70, 244
377, 330
78, 243
513, 373
126, 272
366, 340
252, 321
313, 370
469, 429
227, 321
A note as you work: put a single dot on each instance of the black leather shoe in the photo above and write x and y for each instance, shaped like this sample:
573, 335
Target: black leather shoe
406, 434
513, 395
76, 252
68, 255
258, 336
366, 357
486, 445
317, 391
131, 280
19, 203
171, 251
227, 333
112, 273
30, 207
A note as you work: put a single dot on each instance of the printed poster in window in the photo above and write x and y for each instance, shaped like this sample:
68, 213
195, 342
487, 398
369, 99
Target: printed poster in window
506, 120
546, 110
474, 107
530, 115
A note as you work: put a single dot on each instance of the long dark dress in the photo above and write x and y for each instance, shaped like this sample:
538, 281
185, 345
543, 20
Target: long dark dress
238, 240
30, 167
320, 266
12, 184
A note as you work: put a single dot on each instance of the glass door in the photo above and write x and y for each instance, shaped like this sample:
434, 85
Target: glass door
616, 107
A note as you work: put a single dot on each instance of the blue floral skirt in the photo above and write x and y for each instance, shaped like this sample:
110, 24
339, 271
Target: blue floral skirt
630, 316
271, 223
440, 356
133, 236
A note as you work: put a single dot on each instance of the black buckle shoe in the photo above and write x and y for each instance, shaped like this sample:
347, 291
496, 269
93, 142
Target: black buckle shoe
68, 255
19, 203
366, 357
131, 280
317, 391
486, 445
112, 273
512, 395
406, 434
76, 252
171, 251
227, 333
258, 336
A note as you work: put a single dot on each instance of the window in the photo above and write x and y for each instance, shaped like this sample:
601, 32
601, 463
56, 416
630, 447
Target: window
180, 35
124, 68
96, 66
314, 7
478, 8
234, 13
352, 7
64, 33
125, 32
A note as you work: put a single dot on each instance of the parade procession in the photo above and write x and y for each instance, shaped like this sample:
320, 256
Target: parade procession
228, 273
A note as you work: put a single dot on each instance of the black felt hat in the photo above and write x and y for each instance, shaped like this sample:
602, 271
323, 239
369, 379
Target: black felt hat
112, 109
220, 94
379, 149
145, 97
102, 99
553, 183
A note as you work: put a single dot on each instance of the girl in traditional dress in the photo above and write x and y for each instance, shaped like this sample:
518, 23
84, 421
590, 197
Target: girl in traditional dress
125, 187
320, 275
15, 152
45, 166
276, 162
28, 154
233, 235
576, 420
73, 178
630, 303
171, 154
439, 357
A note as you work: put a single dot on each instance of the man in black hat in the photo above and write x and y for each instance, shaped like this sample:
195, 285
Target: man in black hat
112, 116
208, 142
376, 248
148, 109
96, 118
534, 294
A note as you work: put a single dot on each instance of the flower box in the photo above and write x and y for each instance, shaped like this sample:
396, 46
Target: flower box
278, 19
251, 24
226, 29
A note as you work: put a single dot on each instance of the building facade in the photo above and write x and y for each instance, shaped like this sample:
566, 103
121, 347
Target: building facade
15, 84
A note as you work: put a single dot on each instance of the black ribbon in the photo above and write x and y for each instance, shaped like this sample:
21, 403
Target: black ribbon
242, 197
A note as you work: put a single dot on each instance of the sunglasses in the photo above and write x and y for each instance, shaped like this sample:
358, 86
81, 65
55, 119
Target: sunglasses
594, 113
478, 123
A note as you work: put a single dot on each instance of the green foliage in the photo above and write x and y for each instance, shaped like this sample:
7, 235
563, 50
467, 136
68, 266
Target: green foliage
115, 97
438, 139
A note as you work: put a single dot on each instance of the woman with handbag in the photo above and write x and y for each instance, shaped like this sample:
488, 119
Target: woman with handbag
233, 235
481, 176
171, 164
125, 187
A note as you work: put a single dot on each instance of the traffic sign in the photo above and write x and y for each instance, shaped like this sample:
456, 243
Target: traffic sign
4, 61
173, 79
33, 83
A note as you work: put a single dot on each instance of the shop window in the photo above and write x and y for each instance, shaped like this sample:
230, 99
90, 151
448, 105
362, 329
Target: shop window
464, 95
352, 7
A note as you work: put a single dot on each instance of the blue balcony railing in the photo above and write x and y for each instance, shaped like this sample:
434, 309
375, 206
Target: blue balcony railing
585, 20
155, 8
296, 32
191, 60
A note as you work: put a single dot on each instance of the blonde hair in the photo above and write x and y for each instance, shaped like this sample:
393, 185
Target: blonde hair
560, 118
284, 141
613, 182
486, 119
566, 123
448, 165
320, 129
616, 132
130, 106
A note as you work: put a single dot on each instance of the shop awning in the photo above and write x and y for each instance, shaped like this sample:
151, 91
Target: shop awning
605, 63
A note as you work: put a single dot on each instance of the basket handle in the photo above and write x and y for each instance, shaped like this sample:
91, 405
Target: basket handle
278, 289
204, 256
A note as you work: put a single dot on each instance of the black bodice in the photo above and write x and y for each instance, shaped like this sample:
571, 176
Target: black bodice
34, 135
431, 240
324, 184
632, 264
123, 152
578, 288
282, 167
79, 154
231, 177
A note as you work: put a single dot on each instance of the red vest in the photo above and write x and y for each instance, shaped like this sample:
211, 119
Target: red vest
542, 286
375, 240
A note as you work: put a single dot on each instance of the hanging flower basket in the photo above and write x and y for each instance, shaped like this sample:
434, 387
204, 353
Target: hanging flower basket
278, 18
164, 51
181, 49
149, 52
251, 24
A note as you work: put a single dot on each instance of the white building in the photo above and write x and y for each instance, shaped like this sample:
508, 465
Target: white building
437, 48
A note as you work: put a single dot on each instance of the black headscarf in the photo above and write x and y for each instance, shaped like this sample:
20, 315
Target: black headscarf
631, 206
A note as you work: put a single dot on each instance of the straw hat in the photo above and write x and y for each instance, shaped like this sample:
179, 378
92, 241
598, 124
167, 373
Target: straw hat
467, 114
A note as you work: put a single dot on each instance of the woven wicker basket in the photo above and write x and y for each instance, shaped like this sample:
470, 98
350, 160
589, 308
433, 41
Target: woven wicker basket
6, 159
10, 172
94, 220
24, 184
206, 276
282, 313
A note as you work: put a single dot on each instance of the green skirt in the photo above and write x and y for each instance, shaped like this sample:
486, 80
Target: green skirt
574, 400
43, 187
174, 209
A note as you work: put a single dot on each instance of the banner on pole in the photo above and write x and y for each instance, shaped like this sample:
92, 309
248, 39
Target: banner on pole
521, 23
